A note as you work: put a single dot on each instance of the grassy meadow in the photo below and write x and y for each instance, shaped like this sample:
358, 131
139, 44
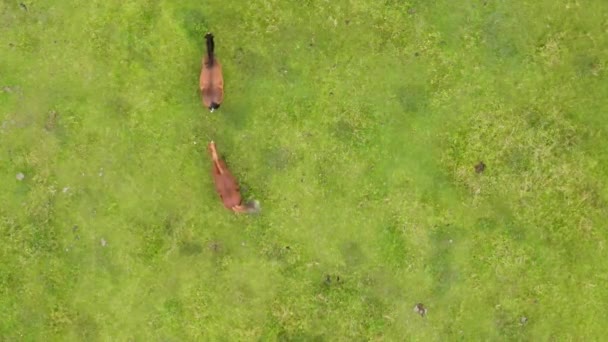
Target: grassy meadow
356, 124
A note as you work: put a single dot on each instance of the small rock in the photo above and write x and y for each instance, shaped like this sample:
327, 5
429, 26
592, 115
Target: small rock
20, 176
480, 167
103, 242
523, 320
420, 309
450, 241
66, 189
23, 6
101, 172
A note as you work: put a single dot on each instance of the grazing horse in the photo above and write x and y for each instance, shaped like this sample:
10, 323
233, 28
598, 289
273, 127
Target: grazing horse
211, 81
227, 186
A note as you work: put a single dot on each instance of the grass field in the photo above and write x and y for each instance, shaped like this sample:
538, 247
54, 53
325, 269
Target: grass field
356, 124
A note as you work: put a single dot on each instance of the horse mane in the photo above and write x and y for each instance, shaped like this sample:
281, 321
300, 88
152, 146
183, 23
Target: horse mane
210, 49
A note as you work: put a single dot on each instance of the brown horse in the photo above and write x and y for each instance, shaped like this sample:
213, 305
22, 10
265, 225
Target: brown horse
227, 186
211, 81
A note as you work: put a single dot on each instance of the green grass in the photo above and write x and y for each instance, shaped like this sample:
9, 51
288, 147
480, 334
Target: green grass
357, 126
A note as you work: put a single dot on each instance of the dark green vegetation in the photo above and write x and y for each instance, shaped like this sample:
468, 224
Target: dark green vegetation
357, 125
